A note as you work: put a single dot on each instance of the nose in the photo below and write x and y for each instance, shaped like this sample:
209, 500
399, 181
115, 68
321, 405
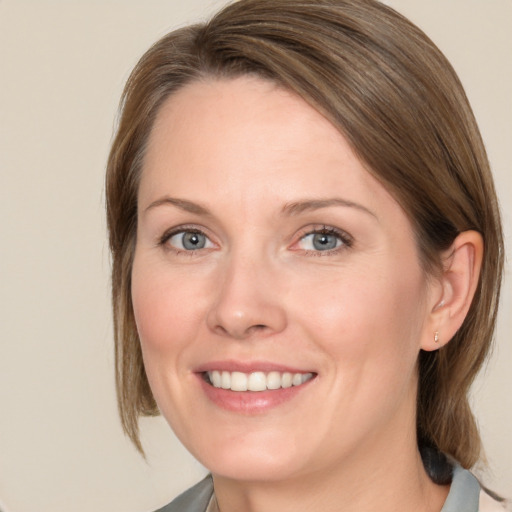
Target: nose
247, 302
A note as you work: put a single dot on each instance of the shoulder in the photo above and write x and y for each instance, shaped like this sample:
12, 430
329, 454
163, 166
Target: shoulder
195, 499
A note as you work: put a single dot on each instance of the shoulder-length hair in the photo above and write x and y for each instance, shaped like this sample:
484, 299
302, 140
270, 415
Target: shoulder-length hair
388, 89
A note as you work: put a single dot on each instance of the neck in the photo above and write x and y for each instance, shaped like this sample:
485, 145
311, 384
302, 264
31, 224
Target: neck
385, 475
396, 486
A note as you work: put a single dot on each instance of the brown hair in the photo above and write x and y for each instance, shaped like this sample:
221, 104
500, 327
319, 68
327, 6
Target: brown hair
397, 100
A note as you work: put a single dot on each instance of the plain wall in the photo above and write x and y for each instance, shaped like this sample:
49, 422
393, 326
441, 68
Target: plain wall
62, 68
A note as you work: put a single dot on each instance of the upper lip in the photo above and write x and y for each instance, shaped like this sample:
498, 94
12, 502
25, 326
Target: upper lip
248, 367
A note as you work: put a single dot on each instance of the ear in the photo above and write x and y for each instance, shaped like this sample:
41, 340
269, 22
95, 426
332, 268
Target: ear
458, 283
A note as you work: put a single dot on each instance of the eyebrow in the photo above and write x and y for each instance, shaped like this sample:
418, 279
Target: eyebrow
298, 207
182, 204
291, 209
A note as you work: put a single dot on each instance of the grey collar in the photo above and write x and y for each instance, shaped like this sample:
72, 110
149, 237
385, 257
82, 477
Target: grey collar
196, 499
464, 492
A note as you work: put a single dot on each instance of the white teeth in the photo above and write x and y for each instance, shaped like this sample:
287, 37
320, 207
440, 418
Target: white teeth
256, 381
238, 381
297, 379
225, 380
216, 378
286, 380
273, 380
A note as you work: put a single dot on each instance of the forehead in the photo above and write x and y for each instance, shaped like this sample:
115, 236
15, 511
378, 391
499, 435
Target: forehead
247, 111
247, 139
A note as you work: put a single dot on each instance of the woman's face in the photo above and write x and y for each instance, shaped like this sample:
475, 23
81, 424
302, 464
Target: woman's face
268, 258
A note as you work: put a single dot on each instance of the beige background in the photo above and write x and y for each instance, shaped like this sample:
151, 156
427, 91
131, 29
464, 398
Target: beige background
62, 67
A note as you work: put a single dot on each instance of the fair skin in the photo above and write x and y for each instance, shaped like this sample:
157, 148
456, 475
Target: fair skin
264, 245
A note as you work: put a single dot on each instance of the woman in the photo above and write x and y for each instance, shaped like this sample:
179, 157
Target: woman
307, 256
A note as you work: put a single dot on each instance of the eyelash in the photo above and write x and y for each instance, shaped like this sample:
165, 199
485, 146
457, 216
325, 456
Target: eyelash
346, 240
164, 239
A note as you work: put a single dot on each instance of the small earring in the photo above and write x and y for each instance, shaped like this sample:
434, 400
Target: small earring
436, 337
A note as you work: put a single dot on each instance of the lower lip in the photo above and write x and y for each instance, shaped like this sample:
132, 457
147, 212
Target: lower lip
251, 402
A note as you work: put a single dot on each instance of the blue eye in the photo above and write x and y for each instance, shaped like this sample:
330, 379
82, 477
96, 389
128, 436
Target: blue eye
324, 240
189, 241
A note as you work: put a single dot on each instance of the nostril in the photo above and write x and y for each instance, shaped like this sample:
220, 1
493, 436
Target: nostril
256, 328
240, 332
233, 317
221, 330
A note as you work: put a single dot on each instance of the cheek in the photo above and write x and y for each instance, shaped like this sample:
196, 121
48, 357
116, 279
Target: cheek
372, 317
166, 309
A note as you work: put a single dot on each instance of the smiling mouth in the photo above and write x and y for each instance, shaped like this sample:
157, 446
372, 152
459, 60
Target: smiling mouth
255, 381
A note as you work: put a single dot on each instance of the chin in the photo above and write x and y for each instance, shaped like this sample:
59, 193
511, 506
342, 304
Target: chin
253, 468
251, 458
